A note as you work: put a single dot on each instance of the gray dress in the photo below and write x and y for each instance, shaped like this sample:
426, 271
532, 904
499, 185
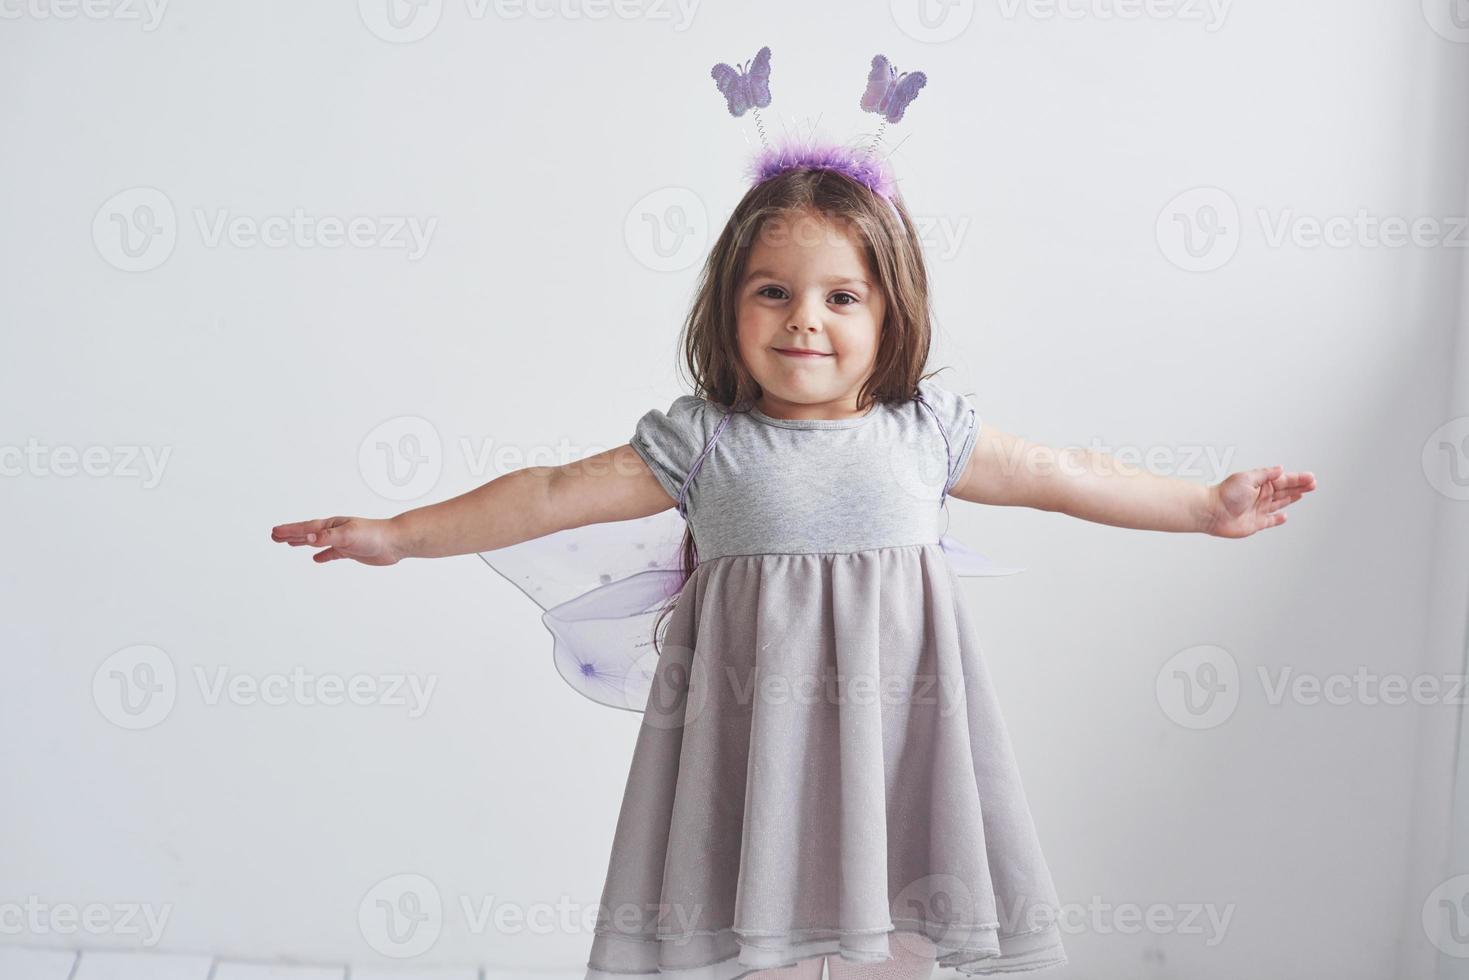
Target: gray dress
822, 767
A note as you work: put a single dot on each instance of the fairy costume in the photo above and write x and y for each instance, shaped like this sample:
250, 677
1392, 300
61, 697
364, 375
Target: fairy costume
822, 767
823, 759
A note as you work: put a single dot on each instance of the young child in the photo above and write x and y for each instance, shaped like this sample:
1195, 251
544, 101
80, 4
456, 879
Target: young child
822, 774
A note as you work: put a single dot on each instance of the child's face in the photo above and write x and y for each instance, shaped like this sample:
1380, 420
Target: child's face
807, 287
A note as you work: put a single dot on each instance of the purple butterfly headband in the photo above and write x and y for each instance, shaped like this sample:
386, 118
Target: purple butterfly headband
888, 94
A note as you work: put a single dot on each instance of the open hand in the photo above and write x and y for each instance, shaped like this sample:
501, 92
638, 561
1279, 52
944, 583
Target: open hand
372, 542
1253, 500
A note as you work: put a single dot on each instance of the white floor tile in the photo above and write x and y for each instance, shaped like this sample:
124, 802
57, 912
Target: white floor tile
127, 964
25, 963
240, 970
413, 973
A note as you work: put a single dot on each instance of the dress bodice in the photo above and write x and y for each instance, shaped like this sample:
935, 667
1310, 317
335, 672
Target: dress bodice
749, 483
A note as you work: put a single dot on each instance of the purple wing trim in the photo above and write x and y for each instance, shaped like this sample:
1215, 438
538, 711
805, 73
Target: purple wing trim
602, 586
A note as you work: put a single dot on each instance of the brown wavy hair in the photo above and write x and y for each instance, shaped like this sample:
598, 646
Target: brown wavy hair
894, 255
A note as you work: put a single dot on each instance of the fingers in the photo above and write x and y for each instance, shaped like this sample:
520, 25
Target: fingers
1263, 522
295, 532
1280, 500
304, 532
1288, 481
1279, 479
1261, 475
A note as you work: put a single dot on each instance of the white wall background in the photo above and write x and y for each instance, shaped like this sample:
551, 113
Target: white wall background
1046, 153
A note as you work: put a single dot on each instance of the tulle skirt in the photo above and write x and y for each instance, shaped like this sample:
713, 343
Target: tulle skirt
822, 768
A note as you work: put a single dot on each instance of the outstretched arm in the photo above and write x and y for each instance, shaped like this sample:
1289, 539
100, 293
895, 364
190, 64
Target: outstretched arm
1011, 471
615, 485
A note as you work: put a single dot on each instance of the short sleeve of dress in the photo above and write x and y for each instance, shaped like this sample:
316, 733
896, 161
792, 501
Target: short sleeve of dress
670, 441
958, 419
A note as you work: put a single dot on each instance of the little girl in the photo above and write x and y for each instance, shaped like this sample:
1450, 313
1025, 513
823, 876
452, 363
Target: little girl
822, 774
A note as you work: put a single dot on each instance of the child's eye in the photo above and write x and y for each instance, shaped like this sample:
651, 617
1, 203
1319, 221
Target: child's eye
765, 291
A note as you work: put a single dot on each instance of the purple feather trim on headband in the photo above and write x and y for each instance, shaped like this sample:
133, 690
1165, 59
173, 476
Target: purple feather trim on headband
864, 166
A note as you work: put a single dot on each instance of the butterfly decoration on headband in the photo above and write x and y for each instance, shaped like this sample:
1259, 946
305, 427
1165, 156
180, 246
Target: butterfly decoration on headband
746, 87
888, 93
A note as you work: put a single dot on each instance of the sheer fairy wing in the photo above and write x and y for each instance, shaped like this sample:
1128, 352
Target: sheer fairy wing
969, 562
558, 567
601, 587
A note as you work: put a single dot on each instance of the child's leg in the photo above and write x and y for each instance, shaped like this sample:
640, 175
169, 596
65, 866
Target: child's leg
807, 969
913, 959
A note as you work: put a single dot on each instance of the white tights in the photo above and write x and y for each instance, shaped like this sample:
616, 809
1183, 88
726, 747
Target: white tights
912, 959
